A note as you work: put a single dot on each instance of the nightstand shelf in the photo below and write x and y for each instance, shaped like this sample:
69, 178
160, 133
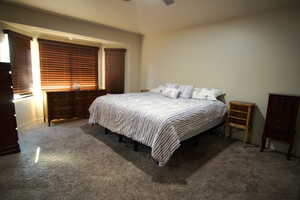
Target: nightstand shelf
239, 111
239, 116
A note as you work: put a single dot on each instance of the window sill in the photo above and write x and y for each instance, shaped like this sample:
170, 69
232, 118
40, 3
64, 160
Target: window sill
22, 97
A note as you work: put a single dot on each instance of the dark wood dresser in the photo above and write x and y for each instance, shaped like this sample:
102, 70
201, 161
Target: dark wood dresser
281, 119
68, 104
8, 134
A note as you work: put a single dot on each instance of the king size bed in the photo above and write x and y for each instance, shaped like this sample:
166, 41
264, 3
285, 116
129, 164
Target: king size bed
155, 120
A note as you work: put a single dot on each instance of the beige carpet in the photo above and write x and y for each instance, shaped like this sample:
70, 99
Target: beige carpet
77, 161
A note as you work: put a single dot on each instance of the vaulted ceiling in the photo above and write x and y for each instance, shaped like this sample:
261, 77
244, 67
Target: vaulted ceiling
147, 16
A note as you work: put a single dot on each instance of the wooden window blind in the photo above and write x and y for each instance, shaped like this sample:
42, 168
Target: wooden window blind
65, 65
20, 59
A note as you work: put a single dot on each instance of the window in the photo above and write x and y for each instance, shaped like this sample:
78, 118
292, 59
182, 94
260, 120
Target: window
67, 66
20, 59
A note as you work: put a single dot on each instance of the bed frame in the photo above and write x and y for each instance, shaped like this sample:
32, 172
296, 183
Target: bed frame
195, 137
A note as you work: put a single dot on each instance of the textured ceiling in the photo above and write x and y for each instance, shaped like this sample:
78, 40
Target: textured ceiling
148, 16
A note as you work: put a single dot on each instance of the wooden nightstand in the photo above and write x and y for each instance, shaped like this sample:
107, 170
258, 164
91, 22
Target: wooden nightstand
239, 116
144, 90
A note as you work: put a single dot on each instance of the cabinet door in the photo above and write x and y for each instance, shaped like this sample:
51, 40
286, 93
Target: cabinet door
83, 100
60, 105
281, 116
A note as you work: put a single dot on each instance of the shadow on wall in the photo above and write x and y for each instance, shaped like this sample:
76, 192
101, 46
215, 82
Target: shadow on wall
258, 123
183, 163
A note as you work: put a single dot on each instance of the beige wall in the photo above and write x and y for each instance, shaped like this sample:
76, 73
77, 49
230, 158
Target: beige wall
29, 112
248, 58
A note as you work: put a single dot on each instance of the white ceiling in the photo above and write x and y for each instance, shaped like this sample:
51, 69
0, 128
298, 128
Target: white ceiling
148, 16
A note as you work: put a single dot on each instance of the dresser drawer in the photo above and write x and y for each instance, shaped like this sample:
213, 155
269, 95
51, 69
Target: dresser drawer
239, 107
242, 115
237, 121
60, 98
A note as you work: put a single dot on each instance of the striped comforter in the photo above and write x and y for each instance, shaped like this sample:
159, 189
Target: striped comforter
154, 120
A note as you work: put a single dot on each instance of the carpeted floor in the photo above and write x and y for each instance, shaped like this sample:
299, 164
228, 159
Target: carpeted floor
77, 161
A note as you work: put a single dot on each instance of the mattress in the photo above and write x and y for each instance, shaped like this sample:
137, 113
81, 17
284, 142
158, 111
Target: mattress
155, 120
210, 124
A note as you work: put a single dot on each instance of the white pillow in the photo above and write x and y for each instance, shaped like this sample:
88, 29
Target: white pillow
171, 92
207, 93
186, 91
172, 85
159, 89
217, 92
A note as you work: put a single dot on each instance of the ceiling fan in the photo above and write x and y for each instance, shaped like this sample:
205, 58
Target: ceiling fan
167, 2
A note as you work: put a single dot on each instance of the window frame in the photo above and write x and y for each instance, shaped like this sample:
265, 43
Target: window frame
11, 43
72, 48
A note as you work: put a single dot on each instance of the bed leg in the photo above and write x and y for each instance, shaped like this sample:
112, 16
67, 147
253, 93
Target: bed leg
230, 132
224, 130
135, 146
120, 138
156, 162
106, 131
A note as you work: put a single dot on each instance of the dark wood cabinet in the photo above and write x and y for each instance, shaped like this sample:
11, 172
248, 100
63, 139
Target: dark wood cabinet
8, 134
68, 104
281, 119
114, 70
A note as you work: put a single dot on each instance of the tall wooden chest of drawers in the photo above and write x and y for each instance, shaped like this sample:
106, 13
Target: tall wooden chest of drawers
8, 134
281, 119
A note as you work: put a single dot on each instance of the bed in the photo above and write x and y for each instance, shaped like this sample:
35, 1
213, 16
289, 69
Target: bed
156, 121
